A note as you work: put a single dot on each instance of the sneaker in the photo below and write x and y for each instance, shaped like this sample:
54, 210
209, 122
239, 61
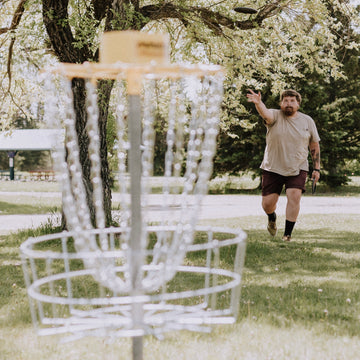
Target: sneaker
286, 238
272, 229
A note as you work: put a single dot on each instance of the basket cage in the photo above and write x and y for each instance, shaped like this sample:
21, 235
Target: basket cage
67, 298
158, 270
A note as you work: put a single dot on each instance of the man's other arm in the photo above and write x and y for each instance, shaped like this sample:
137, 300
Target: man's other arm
315, 156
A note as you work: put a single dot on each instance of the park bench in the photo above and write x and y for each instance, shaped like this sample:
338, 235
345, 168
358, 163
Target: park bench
47, 175
4, 175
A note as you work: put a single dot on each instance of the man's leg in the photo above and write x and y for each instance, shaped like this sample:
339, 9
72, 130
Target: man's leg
272, 185
269, 205
294, 187
293, 203
292, 211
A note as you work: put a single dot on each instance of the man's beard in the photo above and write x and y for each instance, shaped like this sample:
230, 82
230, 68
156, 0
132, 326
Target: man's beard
288, 111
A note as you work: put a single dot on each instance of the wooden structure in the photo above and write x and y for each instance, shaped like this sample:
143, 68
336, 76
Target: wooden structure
27, 140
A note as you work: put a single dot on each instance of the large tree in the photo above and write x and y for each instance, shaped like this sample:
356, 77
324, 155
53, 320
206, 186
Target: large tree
336, 104
333, 100
268, 49
74, 46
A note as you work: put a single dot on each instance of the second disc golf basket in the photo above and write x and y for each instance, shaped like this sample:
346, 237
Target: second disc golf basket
158, 270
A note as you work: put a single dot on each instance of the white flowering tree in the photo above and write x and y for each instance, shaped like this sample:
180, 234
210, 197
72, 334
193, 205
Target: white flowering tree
267, 48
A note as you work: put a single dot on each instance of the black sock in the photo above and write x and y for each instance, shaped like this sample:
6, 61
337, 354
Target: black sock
289, 225
272, 217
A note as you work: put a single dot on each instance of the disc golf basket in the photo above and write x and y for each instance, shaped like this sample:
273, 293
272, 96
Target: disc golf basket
151, 274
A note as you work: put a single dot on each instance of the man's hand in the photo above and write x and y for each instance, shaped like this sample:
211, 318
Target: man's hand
254, 97
265, 113
315, 176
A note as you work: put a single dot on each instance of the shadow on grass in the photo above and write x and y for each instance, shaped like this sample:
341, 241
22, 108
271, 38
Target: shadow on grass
320, 250
335, 308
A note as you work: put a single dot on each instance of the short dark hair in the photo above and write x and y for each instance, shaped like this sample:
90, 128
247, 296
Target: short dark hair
291, 93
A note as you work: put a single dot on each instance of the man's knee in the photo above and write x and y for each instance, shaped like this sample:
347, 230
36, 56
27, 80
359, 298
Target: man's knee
269, 203
294, 195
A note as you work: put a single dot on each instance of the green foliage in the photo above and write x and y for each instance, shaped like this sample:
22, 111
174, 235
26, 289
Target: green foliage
240, 148
160, 127
298, 42
19, 87
335, 106
352, 167
128, 18
331, 99
111, 137
85, 27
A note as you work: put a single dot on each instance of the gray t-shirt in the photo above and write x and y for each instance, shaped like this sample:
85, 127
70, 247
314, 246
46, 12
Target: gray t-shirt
287, 143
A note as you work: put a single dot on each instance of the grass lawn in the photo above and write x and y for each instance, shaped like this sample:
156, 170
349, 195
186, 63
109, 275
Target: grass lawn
35, 197
29, 186
299, 301
24, 204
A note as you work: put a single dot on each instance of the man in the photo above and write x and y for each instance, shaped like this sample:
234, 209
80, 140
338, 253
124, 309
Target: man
290, 134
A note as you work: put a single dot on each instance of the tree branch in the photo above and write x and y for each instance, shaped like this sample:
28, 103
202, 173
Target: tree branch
4, 30
18, 14
14, 24
16, 17
100, 8
212, 19
55, 16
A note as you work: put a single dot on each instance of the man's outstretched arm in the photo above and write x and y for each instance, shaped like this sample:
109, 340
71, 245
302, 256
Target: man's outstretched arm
263, 111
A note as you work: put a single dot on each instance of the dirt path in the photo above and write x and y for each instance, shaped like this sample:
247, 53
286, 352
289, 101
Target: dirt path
214, 207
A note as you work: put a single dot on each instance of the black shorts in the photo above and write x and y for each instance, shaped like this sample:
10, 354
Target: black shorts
273, 183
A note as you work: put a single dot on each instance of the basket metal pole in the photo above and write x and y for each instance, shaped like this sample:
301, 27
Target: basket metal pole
136, 259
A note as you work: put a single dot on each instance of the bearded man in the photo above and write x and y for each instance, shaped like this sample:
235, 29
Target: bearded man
290, 135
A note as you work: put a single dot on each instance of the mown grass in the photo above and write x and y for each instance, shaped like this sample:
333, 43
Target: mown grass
30, 206
299, 300
29, 186
35, 197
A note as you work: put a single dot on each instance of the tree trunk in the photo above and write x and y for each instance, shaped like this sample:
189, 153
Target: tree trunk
79, 93
69, 46
55, 16
104, 91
